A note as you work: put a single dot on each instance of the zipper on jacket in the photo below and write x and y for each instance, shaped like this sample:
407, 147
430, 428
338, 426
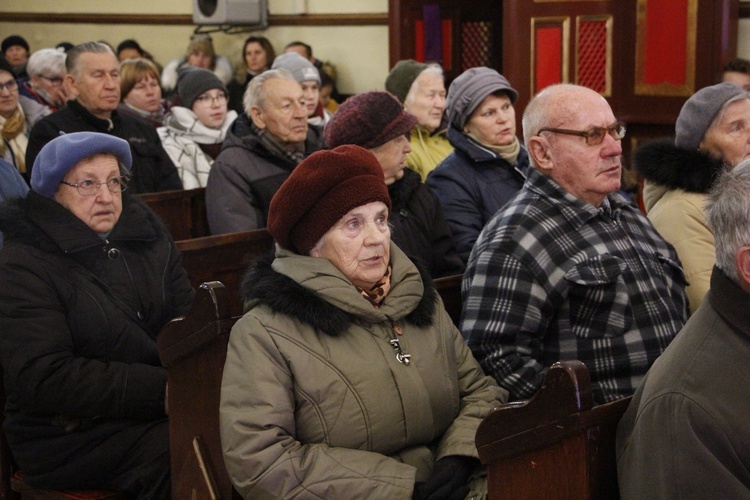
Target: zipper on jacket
401, 356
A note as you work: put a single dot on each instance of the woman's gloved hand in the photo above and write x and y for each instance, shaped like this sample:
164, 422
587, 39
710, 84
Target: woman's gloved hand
448, 479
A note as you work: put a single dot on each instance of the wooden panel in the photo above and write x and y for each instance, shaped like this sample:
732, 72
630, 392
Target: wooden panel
550, 52
594, 53
665, 51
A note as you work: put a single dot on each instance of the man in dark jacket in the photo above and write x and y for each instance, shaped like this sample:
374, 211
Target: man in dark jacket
262, 148
94, 73
88, 277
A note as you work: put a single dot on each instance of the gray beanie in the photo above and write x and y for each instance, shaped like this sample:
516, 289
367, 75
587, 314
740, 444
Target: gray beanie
192, 82
301, 69
62, 153
470, 88
699, 111
402, 76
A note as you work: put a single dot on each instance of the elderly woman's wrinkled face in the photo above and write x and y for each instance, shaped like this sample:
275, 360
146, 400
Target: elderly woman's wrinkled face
145, 95
729, 138
359, 244
101, 210
392, 158
494, 121
8, 94
427, 100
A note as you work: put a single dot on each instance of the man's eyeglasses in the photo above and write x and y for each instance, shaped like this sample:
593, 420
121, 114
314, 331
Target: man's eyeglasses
595, 135
88, 187
11, 86
56, 82
209, 99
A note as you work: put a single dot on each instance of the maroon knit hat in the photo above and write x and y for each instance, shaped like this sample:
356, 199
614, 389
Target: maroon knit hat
369, 120
321, 190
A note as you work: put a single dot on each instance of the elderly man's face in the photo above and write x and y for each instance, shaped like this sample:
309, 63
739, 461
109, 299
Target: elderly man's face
427, 102
51, 86
729, 138
359, 244
102, 210
588, 172
284, 114
97, 83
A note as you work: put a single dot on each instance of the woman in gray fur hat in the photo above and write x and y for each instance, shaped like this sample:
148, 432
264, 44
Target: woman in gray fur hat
712, 134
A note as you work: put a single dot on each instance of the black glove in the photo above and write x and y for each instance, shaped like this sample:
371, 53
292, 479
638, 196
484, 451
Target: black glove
448, 479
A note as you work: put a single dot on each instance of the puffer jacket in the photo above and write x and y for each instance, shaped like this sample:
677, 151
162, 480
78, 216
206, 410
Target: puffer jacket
181, 137
674, 195
315, 404
472, 184
418, 226
79, 317
245, 176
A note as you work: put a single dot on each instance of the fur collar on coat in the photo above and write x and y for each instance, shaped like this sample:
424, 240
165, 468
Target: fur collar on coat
663, 163
285, 296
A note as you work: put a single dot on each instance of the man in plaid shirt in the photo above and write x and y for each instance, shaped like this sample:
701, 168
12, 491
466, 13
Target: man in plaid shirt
570, 269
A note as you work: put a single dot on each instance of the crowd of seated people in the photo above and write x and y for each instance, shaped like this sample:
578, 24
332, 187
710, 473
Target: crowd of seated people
367, 201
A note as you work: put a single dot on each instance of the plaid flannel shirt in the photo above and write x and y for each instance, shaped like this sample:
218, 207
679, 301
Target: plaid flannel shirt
553, 278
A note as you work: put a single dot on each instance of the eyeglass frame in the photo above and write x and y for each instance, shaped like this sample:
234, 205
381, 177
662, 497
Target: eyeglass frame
210, 99
123, 184
56, 82
587, 134
11, 85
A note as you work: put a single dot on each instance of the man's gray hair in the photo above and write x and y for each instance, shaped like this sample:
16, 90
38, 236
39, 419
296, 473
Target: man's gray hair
71, 61
46, 62
728, 214
255, 94
432, 68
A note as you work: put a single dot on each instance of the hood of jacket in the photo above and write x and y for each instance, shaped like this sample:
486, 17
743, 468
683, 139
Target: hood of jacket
45, 224
241, 135
662, 163
313, 291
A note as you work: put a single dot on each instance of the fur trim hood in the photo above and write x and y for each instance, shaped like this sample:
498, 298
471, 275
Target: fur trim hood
263, 285
663, 163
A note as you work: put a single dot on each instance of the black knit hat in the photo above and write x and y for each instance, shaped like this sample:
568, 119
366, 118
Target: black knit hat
15, 40
192, 82
321, 190
368, 120
402, 76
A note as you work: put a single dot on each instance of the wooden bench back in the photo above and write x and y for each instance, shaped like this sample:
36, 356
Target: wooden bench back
183, 211
449, 288
556, 444
225, 258
193, 349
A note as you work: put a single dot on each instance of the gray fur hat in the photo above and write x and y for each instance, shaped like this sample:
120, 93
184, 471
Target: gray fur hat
301, 69
699, 111
470, 88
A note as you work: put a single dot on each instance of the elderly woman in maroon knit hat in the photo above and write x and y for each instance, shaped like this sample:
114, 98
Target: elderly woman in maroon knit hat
346, 377
377, 121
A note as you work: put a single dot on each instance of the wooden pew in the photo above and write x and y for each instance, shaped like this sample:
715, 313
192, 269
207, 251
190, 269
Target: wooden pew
556, 444
183, 211
193, 349
225, 258
449, 288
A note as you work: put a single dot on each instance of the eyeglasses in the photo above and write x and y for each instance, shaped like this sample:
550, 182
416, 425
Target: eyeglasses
88, 187
56, 82
209, 99
595, 135
11, 86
